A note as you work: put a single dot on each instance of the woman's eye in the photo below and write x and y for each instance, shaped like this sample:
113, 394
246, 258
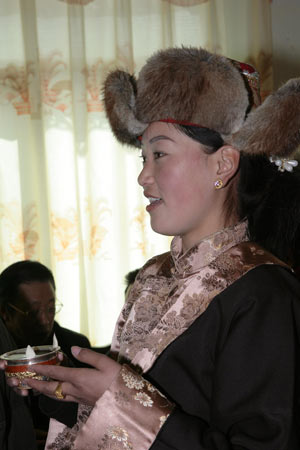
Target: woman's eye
156, 155
143, 158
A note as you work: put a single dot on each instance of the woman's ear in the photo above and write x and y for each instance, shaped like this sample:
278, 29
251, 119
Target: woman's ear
228, 159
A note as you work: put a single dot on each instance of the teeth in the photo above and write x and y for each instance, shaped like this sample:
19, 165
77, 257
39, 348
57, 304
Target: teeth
153, 199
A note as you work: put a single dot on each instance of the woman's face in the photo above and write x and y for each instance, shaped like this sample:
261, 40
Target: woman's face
178, 179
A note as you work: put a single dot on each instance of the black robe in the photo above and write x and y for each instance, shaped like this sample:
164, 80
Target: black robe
234, 374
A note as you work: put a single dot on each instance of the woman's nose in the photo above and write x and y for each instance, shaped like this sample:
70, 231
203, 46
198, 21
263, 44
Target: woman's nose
146, 175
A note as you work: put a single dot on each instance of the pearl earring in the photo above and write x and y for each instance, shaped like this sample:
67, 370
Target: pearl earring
218, 184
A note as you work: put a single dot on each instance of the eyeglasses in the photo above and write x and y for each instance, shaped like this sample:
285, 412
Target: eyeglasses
51, 310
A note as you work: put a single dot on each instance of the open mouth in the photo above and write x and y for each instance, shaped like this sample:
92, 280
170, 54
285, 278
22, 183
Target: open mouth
153, 203
154, 200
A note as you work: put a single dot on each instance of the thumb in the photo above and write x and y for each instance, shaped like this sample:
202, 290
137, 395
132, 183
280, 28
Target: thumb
88, 356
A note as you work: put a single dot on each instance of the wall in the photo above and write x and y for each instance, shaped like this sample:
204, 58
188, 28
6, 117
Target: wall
286, 40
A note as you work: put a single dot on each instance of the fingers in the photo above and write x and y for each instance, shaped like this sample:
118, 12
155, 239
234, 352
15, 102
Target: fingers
16, 385
61, 391
12, 381
85, 385
22, 392
3, 364
107, 367
89, 357
48, 388
60, 373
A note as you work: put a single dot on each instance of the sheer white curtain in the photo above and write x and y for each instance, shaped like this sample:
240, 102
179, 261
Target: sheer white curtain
68, 192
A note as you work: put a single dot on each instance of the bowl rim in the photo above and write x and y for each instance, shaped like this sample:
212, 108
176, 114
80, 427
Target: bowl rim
48, 353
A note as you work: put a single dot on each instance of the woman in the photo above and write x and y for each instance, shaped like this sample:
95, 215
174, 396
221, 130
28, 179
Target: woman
205, 351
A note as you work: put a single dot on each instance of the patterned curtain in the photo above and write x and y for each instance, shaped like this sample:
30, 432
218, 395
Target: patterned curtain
68, 192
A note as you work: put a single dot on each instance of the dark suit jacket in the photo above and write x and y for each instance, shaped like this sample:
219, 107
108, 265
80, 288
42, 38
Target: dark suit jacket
16, 427
66, 339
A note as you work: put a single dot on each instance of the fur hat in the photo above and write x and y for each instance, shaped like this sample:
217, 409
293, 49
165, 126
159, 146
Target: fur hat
193, 86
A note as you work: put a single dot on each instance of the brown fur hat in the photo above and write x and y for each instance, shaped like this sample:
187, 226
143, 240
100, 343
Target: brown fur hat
274, 127
194, 86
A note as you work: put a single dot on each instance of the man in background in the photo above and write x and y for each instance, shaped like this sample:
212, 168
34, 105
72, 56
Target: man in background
28, 306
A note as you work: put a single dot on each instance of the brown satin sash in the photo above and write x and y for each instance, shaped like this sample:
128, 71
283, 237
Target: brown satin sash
144, 336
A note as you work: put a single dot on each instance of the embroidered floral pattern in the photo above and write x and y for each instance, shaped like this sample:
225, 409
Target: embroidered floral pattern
23, 234
56, 86
65, 235
163, 419
122, 398
98, 212
14, 86
144, 399
190, 308
116, 438
131, 401
212, 283
118, 433
132, 381
150, 387
66, 438
95, 75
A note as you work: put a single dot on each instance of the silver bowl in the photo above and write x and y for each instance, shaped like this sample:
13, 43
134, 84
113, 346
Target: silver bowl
18, 363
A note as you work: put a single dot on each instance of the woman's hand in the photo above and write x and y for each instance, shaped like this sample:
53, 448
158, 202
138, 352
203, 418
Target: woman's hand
78, 385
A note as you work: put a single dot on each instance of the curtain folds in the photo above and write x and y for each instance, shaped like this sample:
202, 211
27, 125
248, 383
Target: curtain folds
68, 191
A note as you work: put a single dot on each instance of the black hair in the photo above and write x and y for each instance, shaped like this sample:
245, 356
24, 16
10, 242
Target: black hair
21, 272
130, 277
211, 139
268, 198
